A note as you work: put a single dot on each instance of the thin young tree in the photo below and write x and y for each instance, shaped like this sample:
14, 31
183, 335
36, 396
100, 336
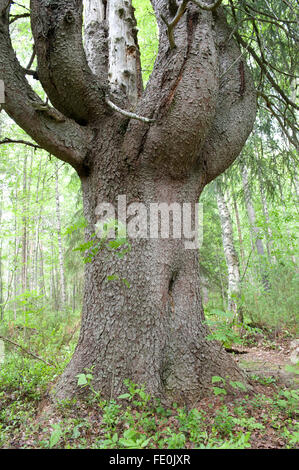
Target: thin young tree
231, 255
59, 235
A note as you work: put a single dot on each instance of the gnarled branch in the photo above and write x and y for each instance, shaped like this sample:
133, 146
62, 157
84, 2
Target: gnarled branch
62, 66
236, 109
66, 140
181, 96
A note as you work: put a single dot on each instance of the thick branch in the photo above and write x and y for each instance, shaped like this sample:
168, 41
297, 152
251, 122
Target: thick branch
180, 11
181, 95
236, 109
62, 66
66, 140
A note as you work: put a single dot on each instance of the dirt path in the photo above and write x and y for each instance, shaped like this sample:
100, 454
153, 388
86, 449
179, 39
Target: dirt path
266, 362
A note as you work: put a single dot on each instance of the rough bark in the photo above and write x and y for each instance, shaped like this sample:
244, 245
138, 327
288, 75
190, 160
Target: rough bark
152, 332
202, 99
55, 133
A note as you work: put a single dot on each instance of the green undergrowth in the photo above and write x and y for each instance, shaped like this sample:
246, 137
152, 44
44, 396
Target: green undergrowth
230, 418
135, 420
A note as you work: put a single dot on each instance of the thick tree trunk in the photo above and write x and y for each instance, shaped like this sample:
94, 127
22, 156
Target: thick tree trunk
153, 332
201, 105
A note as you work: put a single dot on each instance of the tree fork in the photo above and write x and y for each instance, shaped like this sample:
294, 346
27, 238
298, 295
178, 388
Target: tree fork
153, 333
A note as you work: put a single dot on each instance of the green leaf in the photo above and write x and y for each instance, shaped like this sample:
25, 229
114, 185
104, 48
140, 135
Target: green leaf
55, 436
113, 277
217, 379
219, 391
125, 396
82, 380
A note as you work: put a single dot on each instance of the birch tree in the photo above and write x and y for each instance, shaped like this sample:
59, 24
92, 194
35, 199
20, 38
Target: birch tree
231, 255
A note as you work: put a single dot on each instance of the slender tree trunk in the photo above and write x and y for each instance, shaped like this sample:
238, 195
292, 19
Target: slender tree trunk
231, 255
60, 248
53, 289
1, 281
29, 247
41, 283
24, 221
255, 230
241, 244
271, 257
221, 280
74, 296
251, 214
269, 235
15, 258
37, 222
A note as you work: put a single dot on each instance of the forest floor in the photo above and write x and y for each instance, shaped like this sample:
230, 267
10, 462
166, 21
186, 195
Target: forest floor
262, 418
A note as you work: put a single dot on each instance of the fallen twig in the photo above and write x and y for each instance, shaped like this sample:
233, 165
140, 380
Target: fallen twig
26, 350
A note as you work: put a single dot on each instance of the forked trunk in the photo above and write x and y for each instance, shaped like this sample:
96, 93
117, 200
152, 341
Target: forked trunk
187, 127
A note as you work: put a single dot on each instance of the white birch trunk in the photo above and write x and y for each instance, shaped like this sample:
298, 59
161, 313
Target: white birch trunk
124, 57
254, 229
111, 46
230, 252
251, 214
271, 257
96, 37
242, 253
